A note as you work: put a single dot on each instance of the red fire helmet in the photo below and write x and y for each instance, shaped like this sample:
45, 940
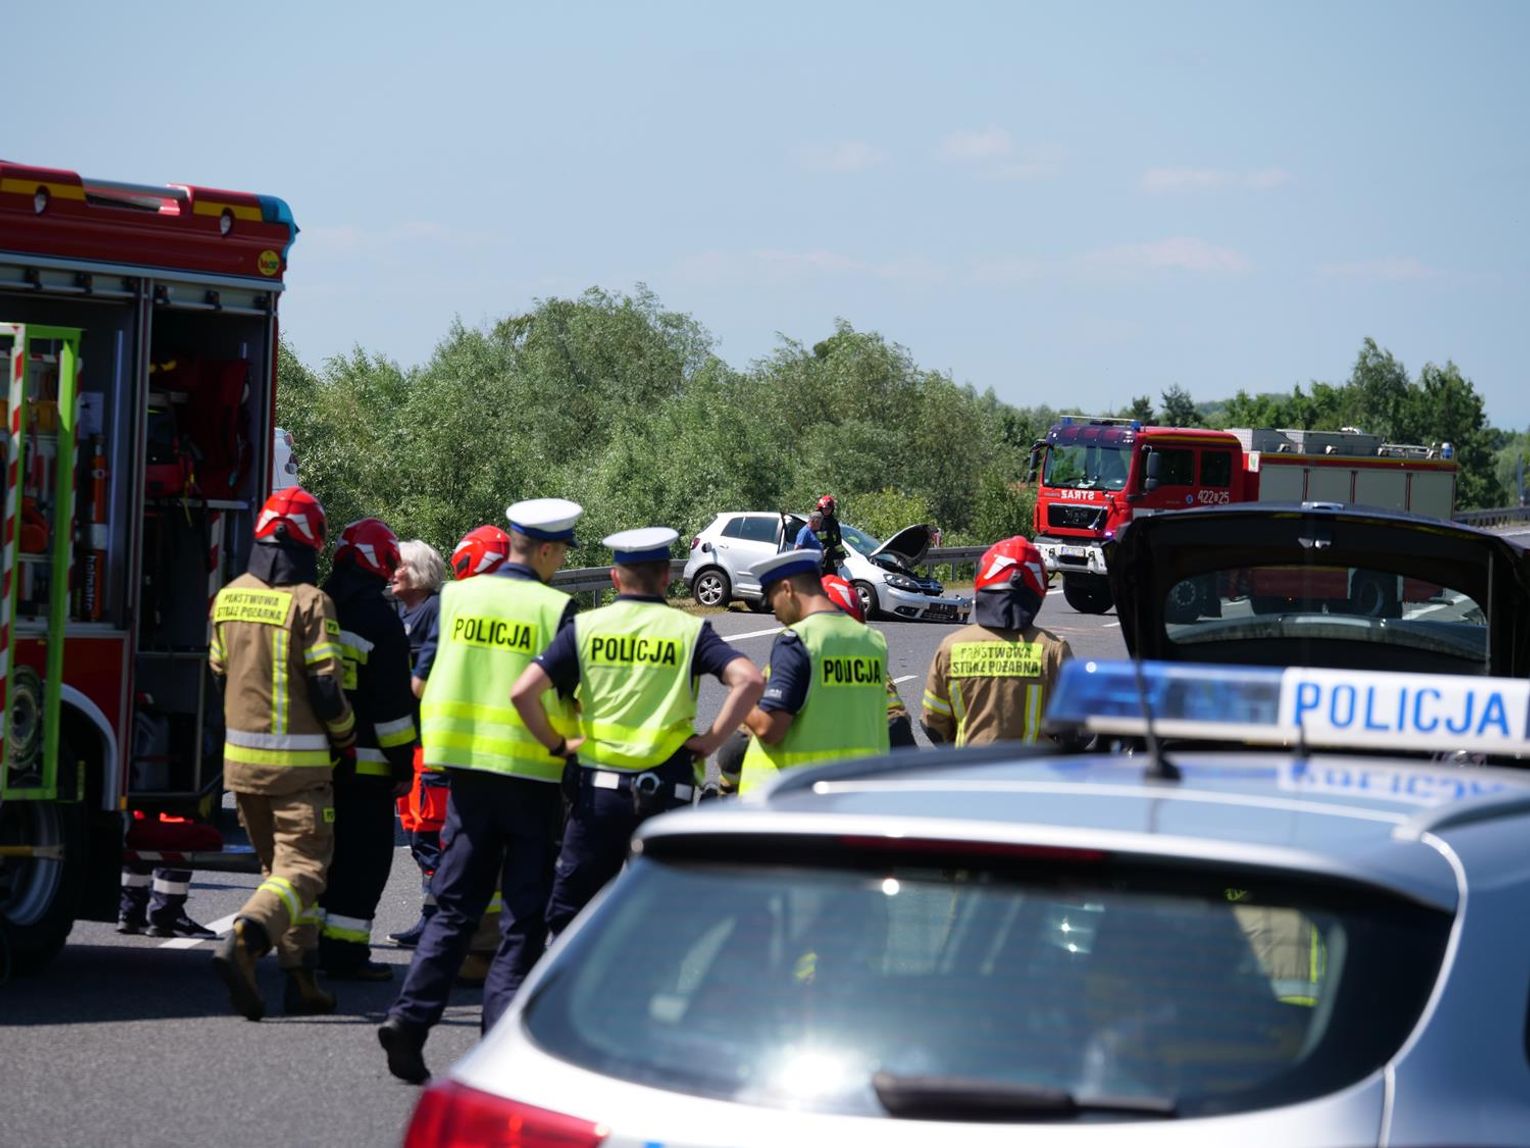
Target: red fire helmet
843, 595
295, 515
827, 504
1011, 562
482, 550
371, 545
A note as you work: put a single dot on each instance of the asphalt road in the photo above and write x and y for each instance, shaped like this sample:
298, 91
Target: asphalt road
128, 1041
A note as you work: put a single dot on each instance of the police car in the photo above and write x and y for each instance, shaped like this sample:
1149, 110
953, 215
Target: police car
1297, 941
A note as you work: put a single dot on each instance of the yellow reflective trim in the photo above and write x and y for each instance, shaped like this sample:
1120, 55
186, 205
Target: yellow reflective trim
470, 711
391, 734
322, 652
1032, 713
373, 769
265, 607
30, 186
959, 711
279, 682
237, 210
342, 727
249, 756
496, 903
282, 889
936, 704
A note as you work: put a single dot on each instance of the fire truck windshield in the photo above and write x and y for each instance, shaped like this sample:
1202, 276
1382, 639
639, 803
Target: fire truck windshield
1086, 466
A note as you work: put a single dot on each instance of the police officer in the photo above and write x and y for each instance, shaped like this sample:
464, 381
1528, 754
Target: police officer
637, 664
990, 681
826, 695
504, 808
376, 659
275, 648
900, 727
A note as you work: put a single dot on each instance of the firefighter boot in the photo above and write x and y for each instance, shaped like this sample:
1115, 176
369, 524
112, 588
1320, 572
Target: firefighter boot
234, 960
304, 997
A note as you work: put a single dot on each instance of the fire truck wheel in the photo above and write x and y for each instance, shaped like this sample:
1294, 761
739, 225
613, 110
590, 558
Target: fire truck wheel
39, 896
1087, 595
1184, 604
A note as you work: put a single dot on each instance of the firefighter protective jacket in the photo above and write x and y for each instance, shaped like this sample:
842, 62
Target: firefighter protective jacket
269, 642
989, 685
375, 651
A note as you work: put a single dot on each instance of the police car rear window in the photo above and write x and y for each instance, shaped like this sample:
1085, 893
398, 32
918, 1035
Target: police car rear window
1433, 627
794, 982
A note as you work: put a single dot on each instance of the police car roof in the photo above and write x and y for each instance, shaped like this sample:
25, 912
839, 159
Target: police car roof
1362, 819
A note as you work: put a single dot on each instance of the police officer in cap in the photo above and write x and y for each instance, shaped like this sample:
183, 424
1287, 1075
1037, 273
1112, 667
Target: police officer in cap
826, 698
503, 814
637, 664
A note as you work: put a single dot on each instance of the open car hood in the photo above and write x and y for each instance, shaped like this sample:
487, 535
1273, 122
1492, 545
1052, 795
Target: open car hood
1155, 555
909, 545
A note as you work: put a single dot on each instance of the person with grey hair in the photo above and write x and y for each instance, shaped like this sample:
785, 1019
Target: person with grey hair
416, 586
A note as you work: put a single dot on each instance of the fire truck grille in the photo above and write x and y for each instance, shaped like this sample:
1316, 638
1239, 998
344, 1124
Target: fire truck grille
1076, 517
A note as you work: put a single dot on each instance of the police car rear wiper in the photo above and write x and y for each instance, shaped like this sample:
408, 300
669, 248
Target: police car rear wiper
959, 1098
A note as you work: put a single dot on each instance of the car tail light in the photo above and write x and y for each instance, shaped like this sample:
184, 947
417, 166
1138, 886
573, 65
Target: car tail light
695, 541
451, 1115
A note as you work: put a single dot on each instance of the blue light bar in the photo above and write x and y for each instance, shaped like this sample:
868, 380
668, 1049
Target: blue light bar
1320, 708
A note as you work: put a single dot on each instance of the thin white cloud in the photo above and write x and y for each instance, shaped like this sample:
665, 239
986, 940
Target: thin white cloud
842, 158
784, 266
1400, 269
977, 146
1179, 253
1160, 180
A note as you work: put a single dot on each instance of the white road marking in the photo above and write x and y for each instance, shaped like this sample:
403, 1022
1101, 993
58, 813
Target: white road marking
750, 634
220, 926
904, 678
1108, 625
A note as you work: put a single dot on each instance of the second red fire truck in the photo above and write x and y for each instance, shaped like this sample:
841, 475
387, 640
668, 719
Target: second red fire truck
1095, 475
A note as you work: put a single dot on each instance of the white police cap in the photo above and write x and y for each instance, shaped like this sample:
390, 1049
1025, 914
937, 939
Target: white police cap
545, 519
786, 565
646, 544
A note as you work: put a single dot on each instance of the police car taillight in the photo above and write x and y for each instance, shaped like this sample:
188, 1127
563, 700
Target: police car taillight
451, 1115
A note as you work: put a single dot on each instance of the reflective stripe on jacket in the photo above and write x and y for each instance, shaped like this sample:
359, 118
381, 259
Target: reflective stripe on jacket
636, 691
845, 714
491, 627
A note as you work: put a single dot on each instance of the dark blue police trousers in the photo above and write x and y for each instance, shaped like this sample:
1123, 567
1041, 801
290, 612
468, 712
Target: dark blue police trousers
498, 829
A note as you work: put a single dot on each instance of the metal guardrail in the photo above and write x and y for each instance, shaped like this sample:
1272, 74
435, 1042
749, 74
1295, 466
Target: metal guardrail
1503, 516
594, 579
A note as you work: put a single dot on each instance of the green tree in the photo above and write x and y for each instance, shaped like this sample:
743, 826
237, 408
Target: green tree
1179, 408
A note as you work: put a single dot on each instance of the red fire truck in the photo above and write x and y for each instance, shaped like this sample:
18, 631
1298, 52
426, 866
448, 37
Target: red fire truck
138, 336
1094, 475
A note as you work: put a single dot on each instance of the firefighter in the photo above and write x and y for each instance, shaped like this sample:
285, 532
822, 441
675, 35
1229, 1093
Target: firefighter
990, 681
376, 658
826, 694
829, 540
504, 808
636, 664
276, 653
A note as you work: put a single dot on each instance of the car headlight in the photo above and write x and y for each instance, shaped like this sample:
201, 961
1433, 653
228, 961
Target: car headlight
902, 582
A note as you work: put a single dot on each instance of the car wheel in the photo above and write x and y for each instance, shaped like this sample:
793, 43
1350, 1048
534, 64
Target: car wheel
867, 593
1087, 595
712, 588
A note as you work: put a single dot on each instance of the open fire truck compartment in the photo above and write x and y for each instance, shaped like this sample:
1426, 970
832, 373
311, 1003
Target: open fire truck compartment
138, 335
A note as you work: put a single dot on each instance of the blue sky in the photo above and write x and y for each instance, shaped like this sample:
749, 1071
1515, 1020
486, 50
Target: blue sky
1071, 204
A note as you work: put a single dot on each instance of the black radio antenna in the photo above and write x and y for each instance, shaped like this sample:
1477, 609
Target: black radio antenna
1160, 768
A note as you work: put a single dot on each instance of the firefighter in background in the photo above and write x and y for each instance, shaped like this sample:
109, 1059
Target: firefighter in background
990, 681
636, 665
160, 909
416, 588
825, 695
276, 653
829, 540
505, 809
376, 658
